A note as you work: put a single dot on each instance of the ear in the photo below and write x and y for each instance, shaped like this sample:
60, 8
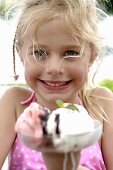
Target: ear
18, 49
93, 54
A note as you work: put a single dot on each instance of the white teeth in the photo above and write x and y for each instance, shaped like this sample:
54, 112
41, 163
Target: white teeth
55, 84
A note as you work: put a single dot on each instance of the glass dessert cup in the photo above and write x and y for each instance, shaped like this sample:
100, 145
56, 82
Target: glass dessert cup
71, 142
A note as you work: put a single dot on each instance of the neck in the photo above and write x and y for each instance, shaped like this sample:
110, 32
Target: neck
51, 104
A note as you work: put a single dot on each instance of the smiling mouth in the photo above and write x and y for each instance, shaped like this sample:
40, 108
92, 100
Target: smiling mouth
56, 83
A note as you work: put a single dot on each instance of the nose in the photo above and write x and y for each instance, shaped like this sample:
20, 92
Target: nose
54, 65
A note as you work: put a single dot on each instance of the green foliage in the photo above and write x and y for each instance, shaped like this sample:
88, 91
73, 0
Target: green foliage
107, 83
3, 9
6, 10
107, 6
13, 84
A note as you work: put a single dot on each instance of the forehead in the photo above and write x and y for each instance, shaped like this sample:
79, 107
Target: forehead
54, 35
57, 24
53, 29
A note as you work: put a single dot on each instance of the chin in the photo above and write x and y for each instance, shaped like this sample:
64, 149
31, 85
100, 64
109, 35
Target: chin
52, 98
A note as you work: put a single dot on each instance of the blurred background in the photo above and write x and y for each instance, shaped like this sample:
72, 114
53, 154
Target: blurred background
7, 30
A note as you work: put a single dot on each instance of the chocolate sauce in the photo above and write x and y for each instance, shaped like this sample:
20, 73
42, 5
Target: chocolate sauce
57, 120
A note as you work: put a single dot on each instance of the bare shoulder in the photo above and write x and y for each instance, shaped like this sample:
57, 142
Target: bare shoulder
16, 93
102, 93
10, 109
105, 98
13, 96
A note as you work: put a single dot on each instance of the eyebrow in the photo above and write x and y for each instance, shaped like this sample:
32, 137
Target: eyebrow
73, 46
37, 45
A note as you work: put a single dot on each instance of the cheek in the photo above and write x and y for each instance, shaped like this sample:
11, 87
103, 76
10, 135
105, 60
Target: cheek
79, 68
79, 72
31, 71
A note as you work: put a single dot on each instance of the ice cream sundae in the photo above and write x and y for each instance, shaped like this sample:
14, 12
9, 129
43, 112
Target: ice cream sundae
67, 128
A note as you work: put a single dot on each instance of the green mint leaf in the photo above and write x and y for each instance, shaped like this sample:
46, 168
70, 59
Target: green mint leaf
72, 107
59, 103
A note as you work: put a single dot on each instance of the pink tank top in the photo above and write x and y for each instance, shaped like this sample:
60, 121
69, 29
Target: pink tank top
23, 158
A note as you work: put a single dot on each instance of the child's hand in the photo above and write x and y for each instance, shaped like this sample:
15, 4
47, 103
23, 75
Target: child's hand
29, 122
29, 127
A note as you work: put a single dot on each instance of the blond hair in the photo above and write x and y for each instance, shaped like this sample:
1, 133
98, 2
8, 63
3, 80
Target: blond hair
82, 18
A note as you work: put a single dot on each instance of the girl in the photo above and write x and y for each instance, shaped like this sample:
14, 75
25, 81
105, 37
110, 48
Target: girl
57, 41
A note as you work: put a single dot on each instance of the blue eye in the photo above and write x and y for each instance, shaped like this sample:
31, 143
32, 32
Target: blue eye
40, 54
71, 53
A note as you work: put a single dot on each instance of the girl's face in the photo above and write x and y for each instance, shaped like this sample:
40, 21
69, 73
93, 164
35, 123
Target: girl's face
54, 68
